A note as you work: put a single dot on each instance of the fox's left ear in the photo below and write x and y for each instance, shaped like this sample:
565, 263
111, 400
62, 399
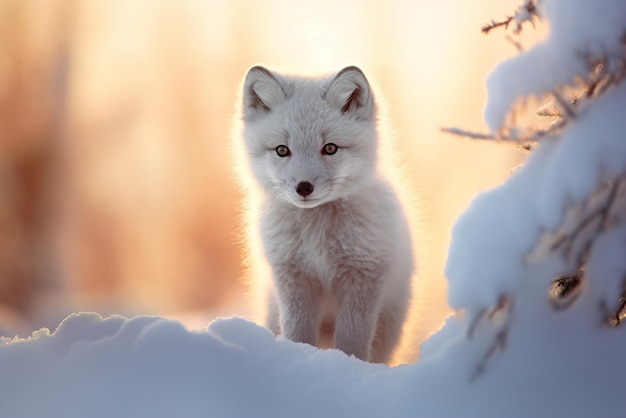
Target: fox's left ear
350, 92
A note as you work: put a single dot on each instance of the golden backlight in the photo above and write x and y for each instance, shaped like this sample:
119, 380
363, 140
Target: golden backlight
117, 191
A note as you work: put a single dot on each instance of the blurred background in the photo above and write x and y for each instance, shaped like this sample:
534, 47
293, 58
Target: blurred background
117, 191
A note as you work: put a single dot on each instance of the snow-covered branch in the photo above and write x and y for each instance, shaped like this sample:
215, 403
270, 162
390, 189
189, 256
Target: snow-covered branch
554, 233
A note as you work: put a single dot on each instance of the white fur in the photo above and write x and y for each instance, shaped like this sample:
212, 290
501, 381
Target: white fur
341, 256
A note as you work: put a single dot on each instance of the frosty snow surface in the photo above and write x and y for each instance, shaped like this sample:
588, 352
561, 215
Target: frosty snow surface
510, 354
153, 367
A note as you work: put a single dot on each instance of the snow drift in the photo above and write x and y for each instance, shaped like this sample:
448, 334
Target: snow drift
147, 366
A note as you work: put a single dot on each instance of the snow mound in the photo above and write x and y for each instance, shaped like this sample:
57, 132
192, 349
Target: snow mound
149, 366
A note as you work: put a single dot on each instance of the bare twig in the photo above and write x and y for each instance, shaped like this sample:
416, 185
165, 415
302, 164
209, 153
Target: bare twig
601, 215
499, 317
501, 310
549, 113
619, 313
531, 137
551, 130
467, 134
488, 27
569, 112
474, 321
515, 43
499, 343
528, 9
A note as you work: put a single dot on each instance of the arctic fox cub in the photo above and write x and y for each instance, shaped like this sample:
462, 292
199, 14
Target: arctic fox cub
331, 228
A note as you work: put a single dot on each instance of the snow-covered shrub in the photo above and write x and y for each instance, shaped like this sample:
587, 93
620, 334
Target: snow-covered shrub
554, 234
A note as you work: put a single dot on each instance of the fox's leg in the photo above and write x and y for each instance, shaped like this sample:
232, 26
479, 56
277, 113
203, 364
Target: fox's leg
356, 317
272, 319
298, 300
388, 332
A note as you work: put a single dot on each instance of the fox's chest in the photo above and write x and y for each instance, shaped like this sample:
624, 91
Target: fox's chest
302, 236
322, 241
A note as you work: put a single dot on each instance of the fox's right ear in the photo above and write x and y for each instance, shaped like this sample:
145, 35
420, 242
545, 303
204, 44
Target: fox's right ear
262, 91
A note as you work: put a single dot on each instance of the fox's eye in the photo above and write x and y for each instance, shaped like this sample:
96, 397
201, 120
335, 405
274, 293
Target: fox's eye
283, 151
330, 149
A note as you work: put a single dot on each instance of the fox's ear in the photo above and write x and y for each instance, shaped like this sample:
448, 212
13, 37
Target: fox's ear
350, 92
262, 91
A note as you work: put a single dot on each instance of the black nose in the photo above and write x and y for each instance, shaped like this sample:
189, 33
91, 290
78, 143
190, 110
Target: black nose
304, 188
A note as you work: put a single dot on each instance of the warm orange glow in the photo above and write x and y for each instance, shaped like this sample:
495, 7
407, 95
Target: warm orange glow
116, 119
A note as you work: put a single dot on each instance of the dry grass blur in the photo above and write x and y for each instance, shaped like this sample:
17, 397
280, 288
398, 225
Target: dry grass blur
116, 187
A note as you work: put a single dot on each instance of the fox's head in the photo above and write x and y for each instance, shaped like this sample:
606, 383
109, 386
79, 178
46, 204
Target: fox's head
310, 141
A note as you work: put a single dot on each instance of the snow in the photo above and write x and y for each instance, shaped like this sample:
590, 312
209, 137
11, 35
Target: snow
577, 28
558, 174
608, 266
149, 366
508, 352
